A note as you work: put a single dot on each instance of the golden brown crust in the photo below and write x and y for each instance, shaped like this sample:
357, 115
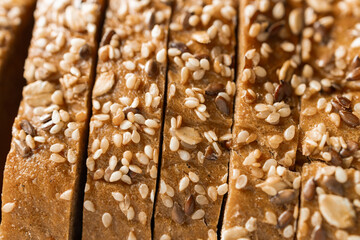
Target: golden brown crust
14, 15
330, 111
15, 35
124, 142
330, 134
329, 202
42, 170
265, 124
197, 120
262, 202
266, 102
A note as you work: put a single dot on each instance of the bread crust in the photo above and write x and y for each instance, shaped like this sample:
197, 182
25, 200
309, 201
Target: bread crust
126, 124
41, 178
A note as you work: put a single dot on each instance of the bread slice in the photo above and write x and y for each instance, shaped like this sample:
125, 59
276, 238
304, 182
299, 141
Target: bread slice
329, 202
198, 118
14, 16
262, 202
41, 178
15, 35
126, 124
330, 106
262, 187
266, 102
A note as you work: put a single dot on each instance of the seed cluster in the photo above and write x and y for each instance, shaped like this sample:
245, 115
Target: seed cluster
48, 132
329, 202
327, 140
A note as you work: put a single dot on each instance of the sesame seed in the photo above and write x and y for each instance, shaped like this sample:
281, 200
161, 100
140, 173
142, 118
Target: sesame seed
118, 196
129, 65
241, 182
288, 231
167, 201
161, 56
289, 133
57, 158
115, 176
165, 237
254, 30
184, 155
130, 213
106, 219
183, 183
66, 195
8, 207
131, 236
212, 192
193, 177
278, 10
222, 189
198, 214
260, 71
340, 175
271, 218
88, 205
56, 148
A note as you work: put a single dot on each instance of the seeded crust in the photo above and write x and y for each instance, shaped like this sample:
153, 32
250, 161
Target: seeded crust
197, 120
15, 33
265, 129
326, 135
329, 202
274, 210
128, 99
266, 102
42, 170
330, 111
13, 14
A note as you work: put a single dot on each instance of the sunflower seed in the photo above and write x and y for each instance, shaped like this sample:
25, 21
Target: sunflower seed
151, 68
107, 37
213, 89
309, 190
285, 219
177, 214
335, 158
180, 46
189, 206
355, 63
85, 52
28, 127
333, 185
319, 233
282, 91
354, 75
349, 118
222, 105
344, 102
22, 148
284, 196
